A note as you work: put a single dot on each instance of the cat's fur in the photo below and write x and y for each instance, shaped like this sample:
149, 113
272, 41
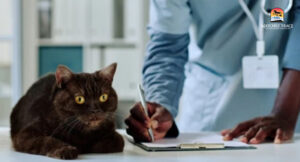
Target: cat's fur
48, 121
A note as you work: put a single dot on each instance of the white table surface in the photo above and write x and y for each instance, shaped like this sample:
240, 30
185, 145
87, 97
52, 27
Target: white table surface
268, 152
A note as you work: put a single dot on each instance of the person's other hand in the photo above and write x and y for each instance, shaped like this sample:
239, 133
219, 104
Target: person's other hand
160, 120
260, 129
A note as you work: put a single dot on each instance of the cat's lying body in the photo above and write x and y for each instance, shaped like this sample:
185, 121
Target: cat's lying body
66, 114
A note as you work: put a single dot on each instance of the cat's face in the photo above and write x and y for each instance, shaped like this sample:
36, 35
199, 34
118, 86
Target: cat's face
88, 99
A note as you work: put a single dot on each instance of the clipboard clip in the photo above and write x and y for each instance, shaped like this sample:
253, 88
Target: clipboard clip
202, 145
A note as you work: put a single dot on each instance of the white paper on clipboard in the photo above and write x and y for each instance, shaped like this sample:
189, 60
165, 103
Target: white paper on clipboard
185, 138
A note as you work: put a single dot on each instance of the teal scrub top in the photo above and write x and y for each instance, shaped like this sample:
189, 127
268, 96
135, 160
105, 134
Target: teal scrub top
210, 85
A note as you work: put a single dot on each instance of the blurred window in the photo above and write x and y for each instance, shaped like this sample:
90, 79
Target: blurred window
8, 57
6, 18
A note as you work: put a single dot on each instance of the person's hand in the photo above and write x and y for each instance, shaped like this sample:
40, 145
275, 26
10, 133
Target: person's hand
160, 120
260, 129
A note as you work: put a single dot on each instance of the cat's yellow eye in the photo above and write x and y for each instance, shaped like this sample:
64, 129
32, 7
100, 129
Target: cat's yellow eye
103, 97
79, 100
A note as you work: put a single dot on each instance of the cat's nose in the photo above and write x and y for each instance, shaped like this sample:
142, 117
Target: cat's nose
95, 110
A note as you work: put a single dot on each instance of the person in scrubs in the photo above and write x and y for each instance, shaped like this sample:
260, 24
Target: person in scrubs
209, 82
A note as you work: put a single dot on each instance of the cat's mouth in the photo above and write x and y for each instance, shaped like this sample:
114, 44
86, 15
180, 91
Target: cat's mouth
92, 121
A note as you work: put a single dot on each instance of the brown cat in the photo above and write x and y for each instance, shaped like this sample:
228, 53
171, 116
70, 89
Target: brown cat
66, 114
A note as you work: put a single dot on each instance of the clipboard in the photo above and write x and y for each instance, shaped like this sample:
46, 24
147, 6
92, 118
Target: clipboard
190, 147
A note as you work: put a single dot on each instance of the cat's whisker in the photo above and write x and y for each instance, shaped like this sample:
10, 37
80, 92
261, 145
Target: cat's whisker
76, 123
56, 129
61, 126
80, 126
68, 126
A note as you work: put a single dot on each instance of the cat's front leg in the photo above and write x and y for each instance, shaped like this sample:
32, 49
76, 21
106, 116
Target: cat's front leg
113, 143
30, 142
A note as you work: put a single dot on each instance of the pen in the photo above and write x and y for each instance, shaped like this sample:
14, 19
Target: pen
144, 104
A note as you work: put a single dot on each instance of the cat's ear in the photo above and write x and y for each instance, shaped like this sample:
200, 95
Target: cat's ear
62, 75
108, 72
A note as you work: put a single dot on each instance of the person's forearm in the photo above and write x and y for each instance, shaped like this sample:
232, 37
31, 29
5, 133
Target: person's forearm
163, 70
287, 102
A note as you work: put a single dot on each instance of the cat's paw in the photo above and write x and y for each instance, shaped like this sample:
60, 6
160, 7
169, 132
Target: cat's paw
115, 143
65, 152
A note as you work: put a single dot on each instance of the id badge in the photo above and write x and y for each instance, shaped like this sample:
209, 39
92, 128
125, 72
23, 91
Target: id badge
260, 73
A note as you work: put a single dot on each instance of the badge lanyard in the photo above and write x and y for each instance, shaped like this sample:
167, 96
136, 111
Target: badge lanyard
286, 10
260, 71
